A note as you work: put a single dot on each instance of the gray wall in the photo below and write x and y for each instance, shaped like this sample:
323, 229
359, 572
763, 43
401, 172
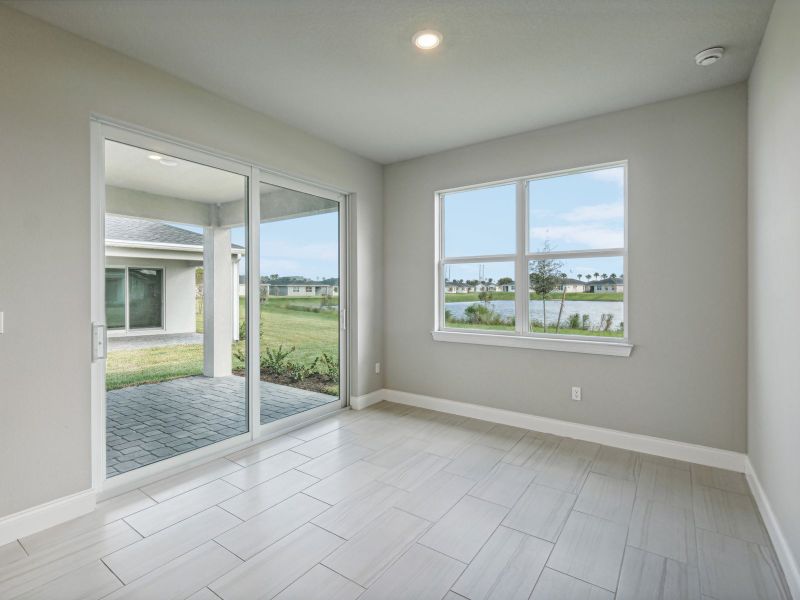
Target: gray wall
686, 378
774, 239
51, 82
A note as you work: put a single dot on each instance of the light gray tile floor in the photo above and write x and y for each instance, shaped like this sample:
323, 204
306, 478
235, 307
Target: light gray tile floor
151, 422
438, 513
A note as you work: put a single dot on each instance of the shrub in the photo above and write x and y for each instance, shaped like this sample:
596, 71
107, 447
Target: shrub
273, 360
329, 367
297, 371
585, 322
606, 319
574, 321
483, 315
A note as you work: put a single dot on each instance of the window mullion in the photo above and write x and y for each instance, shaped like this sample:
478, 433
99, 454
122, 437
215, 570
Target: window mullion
521, 275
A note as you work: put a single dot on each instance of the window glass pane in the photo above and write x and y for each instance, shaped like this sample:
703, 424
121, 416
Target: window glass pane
480, 222
115, 298
480, 296
580, 296
581, 211
145, 290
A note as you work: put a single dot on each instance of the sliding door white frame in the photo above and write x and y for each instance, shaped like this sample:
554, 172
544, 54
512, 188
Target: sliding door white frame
103, 129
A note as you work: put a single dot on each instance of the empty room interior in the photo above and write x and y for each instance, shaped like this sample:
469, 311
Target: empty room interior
399, 300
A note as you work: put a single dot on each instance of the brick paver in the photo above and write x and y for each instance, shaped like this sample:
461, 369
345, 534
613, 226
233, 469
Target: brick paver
147, 423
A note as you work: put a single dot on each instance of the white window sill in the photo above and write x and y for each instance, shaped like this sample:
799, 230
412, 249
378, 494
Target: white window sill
535, 343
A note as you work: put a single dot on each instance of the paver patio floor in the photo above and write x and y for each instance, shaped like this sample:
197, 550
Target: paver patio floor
151, 422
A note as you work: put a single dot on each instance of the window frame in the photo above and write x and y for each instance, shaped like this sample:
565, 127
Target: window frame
127, 329
522, 336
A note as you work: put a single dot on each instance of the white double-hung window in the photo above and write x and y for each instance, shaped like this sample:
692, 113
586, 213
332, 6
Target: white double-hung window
537, 262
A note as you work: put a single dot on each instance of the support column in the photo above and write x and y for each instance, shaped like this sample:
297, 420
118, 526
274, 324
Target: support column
218, 298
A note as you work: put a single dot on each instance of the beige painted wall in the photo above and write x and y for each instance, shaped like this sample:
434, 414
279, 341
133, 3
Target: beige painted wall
774, 239
51, 82
686, 378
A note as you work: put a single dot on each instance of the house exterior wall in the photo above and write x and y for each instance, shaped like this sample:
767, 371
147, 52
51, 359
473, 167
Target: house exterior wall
179, 293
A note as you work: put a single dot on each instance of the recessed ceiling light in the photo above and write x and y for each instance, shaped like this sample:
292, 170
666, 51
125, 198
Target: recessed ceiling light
709, 56
427, 39
154, 157
168, 163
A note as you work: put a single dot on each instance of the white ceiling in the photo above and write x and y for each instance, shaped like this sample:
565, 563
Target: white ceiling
345, 70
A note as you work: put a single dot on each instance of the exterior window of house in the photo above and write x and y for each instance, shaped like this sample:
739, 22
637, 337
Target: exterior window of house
134, 298
296, 290
309, 289
539, 257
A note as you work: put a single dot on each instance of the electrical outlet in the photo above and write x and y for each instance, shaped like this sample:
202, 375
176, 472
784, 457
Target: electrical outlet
576, 393
377, 368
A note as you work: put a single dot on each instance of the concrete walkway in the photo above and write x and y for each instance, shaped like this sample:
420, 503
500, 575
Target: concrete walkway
151, 422
136, 342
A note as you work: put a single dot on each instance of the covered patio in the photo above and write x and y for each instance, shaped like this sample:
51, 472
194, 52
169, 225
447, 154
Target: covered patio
151, 422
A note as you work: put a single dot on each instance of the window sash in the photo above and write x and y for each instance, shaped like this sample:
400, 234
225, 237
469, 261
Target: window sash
522, 257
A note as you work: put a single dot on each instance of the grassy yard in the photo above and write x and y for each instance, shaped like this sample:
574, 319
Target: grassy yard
311, 333
597, 297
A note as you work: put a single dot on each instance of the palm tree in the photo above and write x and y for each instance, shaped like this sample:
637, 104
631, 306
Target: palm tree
613, 276
579, 276
605, 276
596, 274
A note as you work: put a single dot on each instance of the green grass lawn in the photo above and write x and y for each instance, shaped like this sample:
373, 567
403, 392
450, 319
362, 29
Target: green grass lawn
311, 333
596, 297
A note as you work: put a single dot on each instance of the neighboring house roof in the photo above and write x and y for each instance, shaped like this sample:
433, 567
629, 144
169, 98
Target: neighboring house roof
570, 281
614, 280
130, 229
299, 283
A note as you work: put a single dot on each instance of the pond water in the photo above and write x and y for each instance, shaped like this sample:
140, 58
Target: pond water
583, 307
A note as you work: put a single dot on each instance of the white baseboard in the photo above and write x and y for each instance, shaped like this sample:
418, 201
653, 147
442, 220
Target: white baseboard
785, 555
360, 402
703, 455
46, 515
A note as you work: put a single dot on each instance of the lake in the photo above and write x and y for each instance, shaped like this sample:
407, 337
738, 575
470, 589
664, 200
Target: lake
583, 307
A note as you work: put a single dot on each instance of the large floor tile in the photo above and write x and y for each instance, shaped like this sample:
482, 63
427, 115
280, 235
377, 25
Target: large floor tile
24, 575
728, 513
346, 482
647, 576
190, 479
506, 568
248, 504
264, 450
607, 497
412, 473
250, 537
421, 574
737, 570
504, 484
590, 548
475, 462
615, 462
350, 516
565, 472
730, 481
272, 570
666, 484
398, 453
266, 469
364, 557
436, 495
90, 582
502, 437
541, 512
335, 460
320, 583
158, 549
532, 451
162, 515
553, 585
325, 443
462, 532
104, 513
663, 529
182, 577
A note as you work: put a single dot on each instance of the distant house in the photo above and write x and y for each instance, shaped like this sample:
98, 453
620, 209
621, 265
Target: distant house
610, 284
451, 287
506, 287
150, 277
571, 285
303, 288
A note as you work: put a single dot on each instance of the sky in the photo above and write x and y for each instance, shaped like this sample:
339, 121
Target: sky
305, 246
581, 211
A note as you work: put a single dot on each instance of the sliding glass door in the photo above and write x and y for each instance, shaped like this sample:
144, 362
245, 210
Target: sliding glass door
222, 289
300, 288
175, 284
